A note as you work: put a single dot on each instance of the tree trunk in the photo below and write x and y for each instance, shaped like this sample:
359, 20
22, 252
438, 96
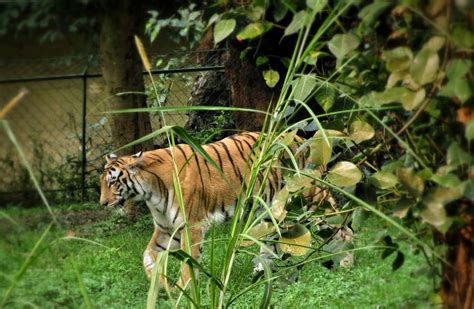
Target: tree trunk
248, 90
458, 277
122, 71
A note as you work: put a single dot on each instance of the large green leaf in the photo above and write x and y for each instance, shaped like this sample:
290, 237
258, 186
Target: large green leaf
408, 98
459, 87
435, 43
223, 29
398, 59
253, 30
258, 231
413, 183
344, 174
316, 5
298, 21
435, 213
457, 156
469, 131
325, 96
271, 78
295, 239
370, 13
425, 67
303, 86
384, 180
341, 44
361, 131
321, 151
458, 68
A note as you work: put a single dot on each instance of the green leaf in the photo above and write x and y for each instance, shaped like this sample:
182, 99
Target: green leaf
223, 29
457, 156
410, 181
325, 96
279, 204
298, 21
298, 182
383, 180
408, 98
280, 10
261, 60
398, 60
320, 151
360, 131
462, 37
469, 130
447, 180
258, 231
425, 67
295, 239
271, 78
412, 99
370, 13
303, 86
253, 30
469, 189
341, 44
316, 5
344, 174
435, 43
458, 68
460, 88
434, 212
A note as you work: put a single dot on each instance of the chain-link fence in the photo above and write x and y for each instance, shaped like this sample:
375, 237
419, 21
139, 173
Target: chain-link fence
62, 126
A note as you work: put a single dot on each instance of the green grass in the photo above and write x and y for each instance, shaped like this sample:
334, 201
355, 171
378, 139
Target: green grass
112, 272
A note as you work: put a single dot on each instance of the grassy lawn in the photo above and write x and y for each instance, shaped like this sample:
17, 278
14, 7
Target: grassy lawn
106, 252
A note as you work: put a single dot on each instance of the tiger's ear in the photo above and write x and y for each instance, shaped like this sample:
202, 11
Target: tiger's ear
111, 158
136, 162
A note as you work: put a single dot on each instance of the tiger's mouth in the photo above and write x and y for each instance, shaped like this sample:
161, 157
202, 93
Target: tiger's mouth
117, 204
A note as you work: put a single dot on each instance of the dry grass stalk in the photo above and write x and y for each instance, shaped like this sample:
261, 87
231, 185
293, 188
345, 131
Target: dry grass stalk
12, 103
143, 55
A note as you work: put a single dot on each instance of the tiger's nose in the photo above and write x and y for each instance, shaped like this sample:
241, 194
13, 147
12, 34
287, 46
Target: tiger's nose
103, 202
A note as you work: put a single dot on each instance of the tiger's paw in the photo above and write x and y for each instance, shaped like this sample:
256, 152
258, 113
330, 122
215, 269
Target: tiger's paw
149, 258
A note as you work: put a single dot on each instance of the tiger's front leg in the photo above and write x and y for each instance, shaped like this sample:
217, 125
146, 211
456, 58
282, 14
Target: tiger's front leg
150, 253
196, 237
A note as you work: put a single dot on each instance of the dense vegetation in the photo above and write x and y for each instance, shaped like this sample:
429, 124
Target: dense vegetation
103, 252
383, 91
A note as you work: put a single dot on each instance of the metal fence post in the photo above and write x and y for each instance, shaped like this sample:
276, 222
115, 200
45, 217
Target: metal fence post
84, 130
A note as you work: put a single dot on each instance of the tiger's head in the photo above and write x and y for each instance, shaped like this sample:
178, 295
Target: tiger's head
116, 184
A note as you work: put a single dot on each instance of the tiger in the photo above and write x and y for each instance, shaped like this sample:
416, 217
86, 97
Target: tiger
209, 194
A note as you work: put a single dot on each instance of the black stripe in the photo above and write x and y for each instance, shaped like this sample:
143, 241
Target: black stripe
158, 245
176, 215
218, 156
161, 226
199, 170
236, 170
250, 136
182, 151
207, 166
156, 157
239, 148
175, 238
